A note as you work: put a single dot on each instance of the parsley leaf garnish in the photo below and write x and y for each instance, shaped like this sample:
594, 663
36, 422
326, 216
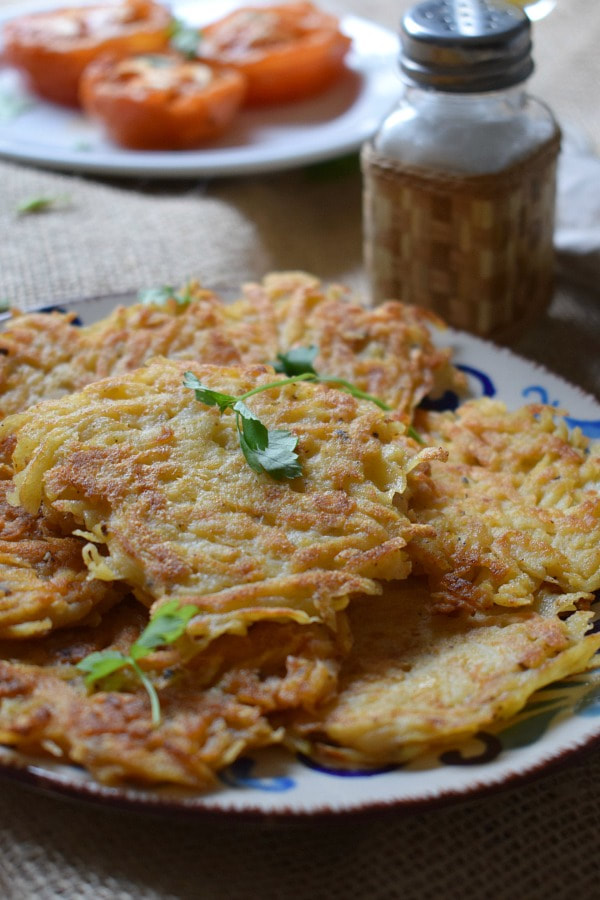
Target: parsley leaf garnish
267, 451
206, 395
278, 458
184, 38
40, 204
299, 361
272, 452
167, 625
414, 434
159, 296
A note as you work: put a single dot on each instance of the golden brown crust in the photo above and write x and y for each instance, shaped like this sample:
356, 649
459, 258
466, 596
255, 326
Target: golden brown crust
212, 709
44, 582
47, 356
387, 351
44, 355
130, 480
515, 507
160, 479
415, 681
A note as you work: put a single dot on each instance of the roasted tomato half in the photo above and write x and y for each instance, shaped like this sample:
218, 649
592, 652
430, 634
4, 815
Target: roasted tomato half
287, 52
53, 48
161, 101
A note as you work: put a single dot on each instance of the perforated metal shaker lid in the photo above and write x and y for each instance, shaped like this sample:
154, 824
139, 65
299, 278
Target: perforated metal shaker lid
465, 46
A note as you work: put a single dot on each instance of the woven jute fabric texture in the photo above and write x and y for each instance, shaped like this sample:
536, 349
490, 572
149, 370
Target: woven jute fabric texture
534, 841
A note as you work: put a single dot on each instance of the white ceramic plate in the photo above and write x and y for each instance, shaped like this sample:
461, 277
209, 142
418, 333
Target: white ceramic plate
296, 134
561, 720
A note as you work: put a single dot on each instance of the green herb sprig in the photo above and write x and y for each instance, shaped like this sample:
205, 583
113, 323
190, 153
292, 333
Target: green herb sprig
184, 38
167, 625
414, 434
273, 452
299, 361
41, 204
159, 296
270, 451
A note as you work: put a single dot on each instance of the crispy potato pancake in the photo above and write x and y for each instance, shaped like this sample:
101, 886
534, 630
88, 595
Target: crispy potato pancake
515, 507
327, 605
45, 355
44, 582
212, 709
386, 351
159, 479
416, 681
37, 353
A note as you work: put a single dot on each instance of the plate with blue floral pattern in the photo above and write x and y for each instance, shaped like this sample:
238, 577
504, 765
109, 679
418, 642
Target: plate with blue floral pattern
560, 721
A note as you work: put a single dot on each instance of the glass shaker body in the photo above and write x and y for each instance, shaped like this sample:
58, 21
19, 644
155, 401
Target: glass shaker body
469, 134
458, 208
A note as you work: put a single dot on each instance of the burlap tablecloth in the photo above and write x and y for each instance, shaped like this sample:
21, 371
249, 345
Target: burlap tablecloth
532, 841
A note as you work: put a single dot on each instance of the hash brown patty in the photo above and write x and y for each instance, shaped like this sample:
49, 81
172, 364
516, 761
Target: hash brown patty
516, 507
158, 481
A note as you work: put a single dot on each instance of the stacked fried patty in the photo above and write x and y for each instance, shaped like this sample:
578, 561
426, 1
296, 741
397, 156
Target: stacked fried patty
413, 578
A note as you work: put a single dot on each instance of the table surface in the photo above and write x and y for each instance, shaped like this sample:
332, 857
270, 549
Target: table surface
533, 841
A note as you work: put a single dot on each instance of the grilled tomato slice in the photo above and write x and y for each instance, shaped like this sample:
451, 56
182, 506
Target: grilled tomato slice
287, 52
161, 101
52, 48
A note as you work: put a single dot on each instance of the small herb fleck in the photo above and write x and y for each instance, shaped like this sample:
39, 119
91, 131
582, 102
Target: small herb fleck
297, 361
414, 434
160, 296
41, 204
332, 169
184, 38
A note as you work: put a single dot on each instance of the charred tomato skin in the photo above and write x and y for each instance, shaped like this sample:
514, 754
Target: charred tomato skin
287, 52
52, 48
186, 106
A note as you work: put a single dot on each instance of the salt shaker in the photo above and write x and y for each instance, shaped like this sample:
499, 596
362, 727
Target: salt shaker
460, 179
